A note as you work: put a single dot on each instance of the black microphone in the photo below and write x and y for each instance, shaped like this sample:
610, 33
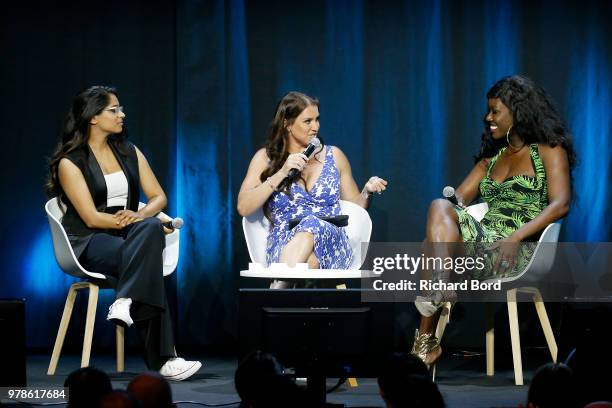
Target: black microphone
176, 223
314, 143
448, 192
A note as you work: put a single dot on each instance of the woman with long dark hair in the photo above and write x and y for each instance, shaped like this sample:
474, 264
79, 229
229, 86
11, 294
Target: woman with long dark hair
522, 172
312, 193
97, 174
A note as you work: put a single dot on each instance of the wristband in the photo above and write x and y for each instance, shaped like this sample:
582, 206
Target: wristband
365, 194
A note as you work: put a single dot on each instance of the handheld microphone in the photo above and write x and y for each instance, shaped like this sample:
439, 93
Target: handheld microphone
448, 192
176, 223
314, 143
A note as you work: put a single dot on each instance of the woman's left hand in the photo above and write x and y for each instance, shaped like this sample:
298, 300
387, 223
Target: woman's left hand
507, 255
375, 185
126, 217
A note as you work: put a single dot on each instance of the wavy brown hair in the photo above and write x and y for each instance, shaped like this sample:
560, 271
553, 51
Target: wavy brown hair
75, 134
287, 110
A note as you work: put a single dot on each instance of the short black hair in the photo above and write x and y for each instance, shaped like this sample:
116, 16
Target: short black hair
86, 387
553, 385
404, 382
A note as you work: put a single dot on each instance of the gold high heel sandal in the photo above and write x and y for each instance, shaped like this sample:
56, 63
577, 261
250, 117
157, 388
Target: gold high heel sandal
425, 343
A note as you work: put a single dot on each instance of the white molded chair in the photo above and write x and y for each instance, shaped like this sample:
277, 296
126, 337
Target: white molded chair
68, 262
256, 228
540, 264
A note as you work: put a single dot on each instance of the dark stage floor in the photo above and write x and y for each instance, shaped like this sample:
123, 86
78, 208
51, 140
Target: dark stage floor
461, 379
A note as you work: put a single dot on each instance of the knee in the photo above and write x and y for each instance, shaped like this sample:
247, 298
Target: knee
440, 208
313, 261
150, 226
303, 237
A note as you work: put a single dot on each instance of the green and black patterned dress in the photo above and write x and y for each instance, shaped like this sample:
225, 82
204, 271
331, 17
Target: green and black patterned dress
512, 203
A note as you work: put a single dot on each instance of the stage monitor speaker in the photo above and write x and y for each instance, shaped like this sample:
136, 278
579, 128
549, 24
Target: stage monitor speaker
12, 343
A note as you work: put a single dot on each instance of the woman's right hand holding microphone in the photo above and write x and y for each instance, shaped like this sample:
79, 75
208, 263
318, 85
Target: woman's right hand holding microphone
295, 161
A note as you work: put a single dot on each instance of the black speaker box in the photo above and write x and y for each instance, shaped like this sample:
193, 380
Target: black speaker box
12, 343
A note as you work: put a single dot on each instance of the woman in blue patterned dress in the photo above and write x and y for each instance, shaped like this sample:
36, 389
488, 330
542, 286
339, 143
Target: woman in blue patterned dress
312, 193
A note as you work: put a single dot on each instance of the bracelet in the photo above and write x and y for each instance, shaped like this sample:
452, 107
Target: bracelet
365, 194
270, 184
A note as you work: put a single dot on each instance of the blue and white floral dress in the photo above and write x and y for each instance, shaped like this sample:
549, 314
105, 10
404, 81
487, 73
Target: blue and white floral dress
331, 244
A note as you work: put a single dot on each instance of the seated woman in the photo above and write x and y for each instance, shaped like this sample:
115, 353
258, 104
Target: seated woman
523, 173
97, 174
313, 192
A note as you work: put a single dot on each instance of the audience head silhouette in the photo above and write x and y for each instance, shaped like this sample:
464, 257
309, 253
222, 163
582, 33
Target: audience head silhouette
405, 383
552, 386
119, 399
152, 390
86, 387
261, 383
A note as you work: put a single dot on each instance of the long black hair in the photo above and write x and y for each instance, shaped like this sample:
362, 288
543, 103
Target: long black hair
535, 118
75, 134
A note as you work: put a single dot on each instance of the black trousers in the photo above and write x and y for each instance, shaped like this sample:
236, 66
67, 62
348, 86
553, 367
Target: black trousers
133, 256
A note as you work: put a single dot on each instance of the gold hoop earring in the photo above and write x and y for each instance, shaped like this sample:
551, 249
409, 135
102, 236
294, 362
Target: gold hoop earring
514, 148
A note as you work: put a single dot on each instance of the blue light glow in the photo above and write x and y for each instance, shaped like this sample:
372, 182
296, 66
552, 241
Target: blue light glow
42, 276
500, 41
344, 65
435, 95
590, 88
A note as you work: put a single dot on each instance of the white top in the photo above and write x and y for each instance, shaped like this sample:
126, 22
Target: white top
116, 189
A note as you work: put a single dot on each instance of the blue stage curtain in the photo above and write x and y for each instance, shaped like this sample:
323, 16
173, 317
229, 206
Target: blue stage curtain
402, 87
589, 102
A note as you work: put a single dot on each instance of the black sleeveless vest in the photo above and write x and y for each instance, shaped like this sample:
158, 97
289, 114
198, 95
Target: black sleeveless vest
78, 232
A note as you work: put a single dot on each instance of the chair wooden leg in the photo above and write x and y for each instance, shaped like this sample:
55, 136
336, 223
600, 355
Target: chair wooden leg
63, 328
120, 349
490, 338
515, 337
442, 321
548, 333
440, 328
92, 304
352, 381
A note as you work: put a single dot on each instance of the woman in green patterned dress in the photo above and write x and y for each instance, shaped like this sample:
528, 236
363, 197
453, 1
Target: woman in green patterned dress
522, 172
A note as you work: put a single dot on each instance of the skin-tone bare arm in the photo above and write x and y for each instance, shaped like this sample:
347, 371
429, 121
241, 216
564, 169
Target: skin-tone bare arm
468, 191
74, 185
559, 196
76, 190
559, 192
348, 188
253, 193
156, 197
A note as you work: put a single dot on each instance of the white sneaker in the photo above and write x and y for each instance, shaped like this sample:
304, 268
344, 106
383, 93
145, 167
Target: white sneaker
177, 369
119, 312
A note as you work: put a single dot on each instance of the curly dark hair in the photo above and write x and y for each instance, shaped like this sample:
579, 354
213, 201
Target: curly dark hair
75, 134
535, 117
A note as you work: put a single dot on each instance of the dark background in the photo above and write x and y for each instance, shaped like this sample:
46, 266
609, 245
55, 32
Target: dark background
402, 88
